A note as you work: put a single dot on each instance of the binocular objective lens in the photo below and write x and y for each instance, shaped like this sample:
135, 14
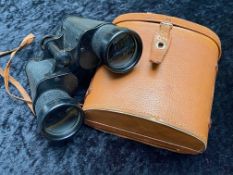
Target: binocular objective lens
121, 51
62, 122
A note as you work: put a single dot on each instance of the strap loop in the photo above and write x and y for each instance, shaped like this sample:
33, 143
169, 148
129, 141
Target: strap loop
161, 42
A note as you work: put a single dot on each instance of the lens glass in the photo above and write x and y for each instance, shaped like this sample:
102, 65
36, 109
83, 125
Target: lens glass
121, 51
62, 121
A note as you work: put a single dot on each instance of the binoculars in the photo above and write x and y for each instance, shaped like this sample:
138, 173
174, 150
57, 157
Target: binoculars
79, 47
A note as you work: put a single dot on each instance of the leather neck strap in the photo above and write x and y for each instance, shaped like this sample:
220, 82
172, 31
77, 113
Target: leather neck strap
5, 73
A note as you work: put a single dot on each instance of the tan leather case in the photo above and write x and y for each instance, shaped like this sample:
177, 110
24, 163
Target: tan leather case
166, 100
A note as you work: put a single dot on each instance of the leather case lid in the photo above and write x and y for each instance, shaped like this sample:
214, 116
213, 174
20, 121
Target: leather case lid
175, 21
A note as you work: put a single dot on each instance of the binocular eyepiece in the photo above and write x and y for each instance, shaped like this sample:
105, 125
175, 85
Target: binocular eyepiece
80, 45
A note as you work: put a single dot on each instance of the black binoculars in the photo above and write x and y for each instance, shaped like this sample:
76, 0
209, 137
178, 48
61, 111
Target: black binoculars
80, 45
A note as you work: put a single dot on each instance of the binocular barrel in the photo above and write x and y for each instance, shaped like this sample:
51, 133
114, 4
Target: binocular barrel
89, 43
58, 114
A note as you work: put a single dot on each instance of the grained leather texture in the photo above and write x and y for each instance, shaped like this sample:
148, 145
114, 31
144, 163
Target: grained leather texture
167, 105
